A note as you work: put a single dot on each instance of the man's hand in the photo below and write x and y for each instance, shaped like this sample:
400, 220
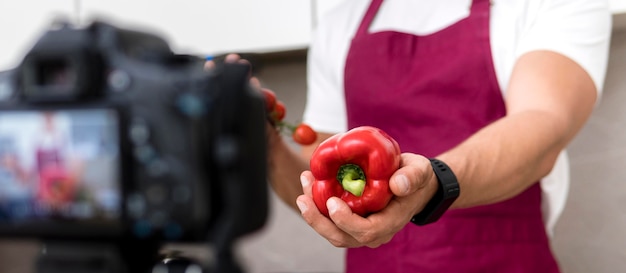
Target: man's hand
234, 58
272, 134
413, 185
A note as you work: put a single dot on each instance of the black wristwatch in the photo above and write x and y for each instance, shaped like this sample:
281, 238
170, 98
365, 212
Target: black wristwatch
447, 192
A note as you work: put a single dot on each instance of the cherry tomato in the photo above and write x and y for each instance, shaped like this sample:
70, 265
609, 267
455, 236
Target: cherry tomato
304, 134
279, 111
270, 99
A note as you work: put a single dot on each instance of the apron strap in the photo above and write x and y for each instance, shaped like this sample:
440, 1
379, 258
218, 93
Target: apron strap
367, 20
374, 6
477, 5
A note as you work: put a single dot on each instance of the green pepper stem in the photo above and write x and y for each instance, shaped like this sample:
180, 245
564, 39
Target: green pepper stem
352, 179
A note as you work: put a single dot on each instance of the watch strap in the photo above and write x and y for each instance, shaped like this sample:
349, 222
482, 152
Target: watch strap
447, 192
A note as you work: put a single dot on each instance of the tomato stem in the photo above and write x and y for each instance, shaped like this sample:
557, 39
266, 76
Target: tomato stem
352, 178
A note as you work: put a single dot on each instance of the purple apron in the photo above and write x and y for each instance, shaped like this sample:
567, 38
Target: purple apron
430, 93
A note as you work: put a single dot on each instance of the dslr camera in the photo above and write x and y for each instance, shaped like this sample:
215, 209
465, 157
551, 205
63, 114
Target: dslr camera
111, 144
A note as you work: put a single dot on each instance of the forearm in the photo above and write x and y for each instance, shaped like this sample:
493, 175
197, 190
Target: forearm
548, 101
285, 167
505, 158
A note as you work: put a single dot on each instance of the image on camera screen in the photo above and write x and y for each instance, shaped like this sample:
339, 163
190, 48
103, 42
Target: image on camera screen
59, 165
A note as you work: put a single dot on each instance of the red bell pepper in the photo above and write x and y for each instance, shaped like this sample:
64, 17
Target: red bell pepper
355, 166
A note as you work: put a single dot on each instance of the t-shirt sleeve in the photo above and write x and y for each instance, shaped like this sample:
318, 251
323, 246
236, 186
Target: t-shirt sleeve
325, 107
578, 29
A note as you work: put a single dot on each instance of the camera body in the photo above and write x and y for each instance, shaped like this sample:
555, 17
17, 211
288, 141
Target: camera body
106, 134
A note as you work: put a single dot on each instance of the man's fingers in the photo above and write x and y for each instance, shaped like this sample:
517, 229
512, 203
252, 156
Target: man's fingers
208, 65
357, 227
344, 228
244, 61
232, 58
322, 225
255, 83
306, 179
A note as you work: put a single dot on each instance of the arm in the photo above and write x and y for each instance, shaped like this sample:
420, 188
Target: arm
286, 165
548, 100
324, 111
561, 61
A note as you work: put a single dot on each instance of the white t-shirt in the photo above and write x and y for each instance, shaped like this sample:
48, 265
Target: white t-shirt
578, 29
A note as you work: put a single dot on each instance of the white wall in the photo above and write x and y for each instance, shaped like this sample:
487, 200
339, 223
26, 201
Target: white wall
191, 26
205, 26
618, 6
21, 22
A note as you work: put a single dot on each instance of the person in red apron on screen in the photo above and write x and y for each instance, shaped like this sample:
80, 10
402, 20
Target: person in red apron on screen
494, 89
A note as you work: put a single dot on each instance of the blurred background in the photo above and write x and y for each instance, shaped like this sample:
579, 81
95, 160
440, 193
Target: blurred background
589, 237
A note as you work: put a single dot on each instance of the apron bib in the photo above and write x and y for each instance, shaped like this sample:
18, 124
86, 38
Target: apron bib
430, 93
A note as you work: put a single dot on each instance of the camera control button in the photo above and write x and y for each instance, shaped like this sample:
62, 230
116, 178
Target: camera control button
139, 132
158, 168
227, 151
119, 80
136, 206
191, 105
145, 153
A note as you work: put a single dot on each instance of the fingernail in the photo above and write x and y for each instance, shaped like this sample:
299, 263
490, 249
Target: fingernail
305, 181
332, 205
403, 183
209, 65
255, 82
302, 206
231, 58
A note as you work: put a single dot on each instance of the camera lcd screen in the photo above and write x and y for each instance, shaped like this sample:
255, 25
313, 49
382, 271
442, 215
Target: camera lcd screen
59, 165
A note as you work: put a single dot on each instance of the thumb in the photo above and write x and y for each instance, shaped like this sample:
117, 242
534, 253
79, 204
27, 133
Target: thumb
413, 175
400, 185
